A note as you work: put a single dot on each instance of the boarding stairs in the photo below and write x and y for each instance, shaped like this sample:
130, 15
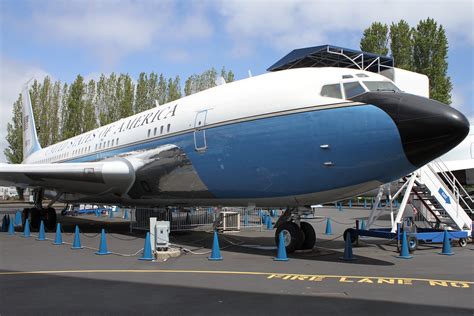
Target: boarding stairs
443, 201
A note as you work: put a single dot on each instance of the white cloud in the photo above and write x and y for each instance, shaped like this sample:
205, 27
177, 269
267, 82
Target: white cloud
289, 24
113, 29
13, 75
460, 101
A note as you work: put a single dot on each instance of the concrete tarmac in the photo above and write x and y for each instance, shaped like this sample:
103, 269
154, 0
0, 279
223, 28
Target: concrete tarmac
37, 277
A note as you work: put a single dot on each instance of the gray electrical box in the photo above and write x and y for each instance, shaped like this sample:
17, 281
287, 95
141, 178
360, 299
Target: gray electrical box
160, 234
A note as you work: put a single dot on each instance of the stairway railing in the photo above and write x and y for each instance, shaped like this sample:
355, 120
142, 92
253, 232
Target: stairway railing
455, 186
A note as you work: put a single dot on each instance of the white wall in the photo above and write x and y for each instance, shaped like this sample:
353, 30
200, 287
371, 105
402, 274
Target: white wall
408, 81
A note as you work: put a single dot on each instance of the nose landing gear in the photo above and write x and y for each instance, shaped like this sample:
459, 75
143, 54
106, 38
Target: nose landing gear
297, 235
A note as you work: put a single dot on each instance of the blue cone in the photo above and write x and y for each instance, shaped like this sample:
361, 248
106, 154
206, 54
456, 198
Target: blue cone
59, 239
125, 215
348, 256
111, 213
446, 245
97, 213
41, 236
350, 203
404, 253
362, 225
11, 229
216, 252
328, 227
147, 256
269, 223
281, 254
103, 245
18, 218
340, 206
26, 229
77, 240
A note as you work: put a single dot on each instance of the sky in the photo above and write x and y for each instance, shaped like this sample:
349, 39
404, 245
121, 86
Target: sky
64, 38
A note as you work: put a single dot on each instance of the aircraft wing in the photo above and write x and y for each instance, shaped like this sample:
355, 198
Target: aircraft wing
167, 167
115, 176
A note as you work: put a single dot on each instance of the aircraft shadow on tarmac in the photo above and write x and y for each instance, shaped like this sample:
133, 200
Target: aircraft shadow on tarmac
325, 249
53, 294
330, 251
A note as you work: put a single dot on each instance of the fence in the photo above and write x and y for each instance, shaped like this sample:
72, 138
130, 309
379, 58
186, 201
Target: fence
201, 218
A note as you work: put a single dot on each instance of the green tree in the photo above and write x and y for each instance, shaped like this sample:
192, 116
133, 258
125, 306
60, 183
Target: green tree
35, 91
100, 106
401, 44
191, 84
125, 93
14, 151
228, 76
75, 108
430, 53
106, 100
205, 80
162, 94
152, 90
55, 118
64, 99
90, 119
375, 39
141, 93
43, 106
174, 89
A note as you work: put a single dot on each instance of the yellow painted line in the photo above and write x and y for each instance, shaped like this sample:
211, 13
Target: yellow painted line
135, 271
327, 276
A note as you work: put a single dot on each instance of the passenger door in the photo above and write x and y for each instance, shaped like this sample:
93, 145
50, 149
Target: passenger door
200, 143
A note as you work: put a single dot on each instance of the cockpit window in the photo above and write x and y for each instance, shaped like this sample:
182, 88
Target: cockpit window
332, 91
362, 76
347, 76
353, 89
381, 86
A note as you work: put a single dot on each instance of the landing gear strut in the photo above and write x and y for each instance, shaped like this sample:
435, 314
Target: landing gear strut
39, 213
297, 235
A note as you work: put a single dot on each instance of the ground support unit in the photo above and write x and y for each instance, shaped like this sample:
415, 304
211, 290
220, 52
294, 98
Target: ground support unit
424, 235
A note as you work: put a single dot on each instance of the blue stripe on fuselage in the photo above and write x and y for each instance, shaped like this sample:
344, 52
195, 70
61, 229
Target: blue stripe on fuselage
281, 156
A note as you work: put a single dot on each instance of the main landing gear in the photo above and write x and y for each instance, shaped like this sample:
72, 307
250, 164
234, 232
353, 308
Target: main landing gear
297, 235
39, 213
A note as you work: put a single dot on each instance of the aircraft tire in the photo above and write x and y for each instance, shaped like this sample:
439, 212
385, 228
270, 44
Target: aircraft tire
24, 215
294, 236
50, 218
35, 218
309, 236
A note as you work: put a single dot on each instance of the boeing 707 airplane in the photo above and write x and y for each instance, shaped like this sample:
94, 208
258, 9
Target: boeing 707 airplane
289, 138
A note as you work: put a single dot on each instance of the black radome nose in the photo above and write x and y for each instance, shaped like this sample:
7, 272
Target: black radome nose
428, 128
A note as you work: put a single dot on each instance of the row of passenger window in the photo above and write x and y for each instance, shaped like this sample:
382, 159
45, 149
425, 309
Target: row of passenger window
107, 144
155, 130
55, 158
81, 151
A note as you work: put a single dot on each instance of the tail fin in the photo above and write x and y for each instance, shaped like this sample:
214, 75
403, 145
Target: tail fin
30, 138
